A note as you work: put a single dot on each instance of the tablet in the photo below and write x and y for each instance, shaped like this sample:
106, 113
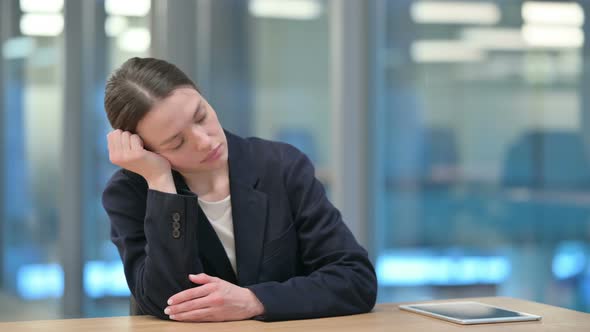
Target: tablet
469, 312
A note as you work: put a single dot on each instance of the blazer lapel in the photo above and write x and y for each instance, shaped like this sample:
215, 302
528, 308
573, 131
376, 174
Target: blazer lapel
211, 251
249, 216
249, 210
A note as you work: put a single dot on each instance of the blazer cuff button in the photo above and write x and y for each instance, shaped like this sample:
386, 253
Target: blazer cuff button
176, 216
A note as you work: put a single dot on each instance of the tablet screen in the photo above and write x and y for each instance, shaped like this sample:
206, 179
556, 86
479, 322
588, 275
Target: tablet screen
469, 312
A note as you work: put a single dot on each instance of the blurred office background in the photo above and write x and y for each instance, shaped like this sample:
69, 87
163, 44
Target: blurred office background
454, 135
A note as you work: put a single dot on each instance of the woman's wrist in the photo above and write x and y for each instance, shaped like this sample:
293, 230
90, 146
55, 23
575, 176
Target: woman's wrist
256, 308
163, 183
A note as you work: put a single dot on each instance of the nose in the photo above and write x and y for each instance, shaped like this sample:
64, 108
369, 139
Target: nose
201, 140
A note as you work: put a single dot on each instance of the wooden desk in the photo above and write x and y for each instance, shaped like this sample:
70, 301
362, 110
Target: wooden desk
385, 317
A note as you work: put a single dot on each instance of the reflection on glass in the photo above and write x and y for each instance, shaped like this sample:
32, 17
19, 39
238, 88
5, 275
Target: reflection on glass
31, 140
486, 165
291, 76
127, 33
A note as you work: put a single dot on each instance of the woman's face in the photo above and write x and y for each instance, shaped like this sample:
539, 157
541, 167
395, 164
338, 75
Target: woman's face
184, 129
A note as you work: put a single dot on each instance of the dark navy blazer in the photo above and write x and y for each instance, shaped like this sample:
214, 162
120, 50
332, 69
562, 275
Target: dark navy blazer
292, 249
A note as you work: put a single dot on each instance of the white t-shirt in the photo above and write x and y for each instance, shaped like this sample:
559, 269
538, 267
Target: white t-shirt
219, 215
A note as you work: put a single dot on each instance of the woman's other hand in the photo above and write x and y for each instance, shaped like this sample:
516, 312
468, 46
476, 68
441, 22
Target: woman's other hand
214, 301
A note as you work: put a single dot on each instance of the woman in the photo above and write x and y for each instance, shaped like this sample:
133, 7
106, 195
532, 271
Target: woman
214, 227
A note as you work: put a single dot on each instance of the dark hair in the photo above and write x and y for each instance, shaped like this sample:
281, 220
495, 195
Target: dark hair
136, 86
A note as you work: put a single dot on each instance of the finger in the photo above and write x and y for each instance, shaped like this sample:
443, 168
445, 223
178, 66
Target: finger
125, 138
136, 142
199, 315
192, 293
200, 278
113, 137
114, 142
191, 305
110, 141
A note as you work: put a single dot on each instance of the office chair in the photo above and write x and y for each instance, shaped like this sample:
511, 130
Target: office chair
134, 309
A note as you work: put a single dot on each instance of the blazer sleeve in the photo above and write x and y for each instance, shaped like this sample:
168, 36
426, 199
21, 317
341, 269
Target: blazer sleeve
151, 232
339, 278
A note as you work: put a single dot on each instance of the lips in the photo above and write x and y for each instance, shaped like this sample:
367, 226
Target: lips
212, 155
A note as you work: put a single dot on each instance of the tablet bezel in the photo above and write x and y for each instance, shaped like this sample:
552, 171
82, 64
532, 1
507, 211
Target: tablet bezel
525, 317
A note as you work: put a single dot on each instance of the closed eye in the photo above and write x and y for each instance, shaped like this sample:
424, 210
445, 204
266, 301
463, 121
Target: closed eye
200, 118
179, 144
